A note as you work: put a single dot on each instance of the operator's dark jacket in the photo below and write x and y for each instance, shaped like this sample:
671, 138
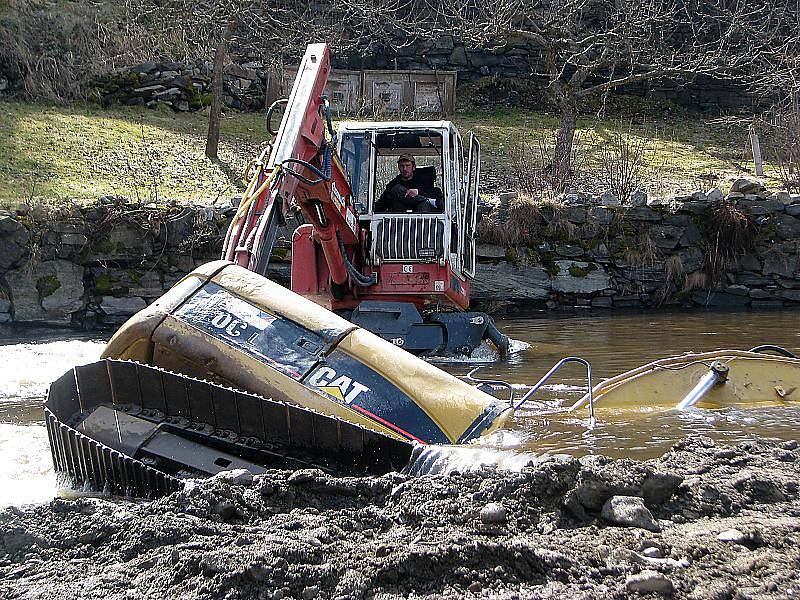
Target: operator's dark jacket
393, 199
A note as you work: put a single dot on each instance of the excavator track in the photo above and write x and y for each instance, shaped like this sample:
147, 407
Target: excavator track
131, 429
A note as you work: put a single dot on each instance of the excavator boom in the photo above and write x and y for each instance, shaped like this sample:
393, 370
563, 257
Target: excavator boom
302, 167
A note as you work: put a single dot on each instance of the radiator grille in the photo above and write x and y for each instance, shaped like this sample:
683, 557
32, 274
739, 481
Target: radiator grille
419, 239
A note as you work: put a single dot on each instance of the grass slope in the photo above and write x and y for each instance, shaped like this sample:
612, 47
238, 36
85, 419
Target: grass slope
53, 153
80, 152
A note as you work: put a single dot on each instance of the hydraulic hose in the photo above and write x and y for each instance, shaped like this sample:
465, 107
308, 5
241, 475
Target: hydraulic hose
773, 348
360, 279
270, 110
322, 175
327, 151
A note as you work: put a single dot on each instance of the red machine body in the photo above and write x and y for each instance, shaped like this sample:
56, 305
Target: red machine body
405, 275
332, 260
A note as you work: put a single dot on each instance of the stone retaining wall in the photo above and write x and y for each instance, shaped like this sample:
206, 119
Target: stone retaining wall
592, 252
95, 266
249, 84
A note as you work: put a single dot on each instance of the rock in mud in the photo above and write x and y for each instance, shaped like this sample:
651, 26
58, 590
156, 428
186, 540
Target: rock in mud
235, 477
716, 590
733, 536
653, 552
659, 487
649, 582
305, 476
629, 511
226, 510
493, 513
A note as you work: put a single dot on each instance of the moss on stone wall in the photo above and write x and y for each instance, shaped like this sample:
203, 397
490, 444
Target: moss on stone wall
105, 283
46, 286
577, 271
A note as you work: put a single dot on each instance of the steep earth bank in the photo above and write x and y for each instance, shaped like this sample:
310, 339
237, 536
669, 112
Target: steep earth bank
703, 521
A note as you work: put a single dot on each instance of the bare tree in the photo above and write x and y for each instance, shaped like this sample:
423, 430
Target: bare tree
584, 48
780, 86
270, 31
185, 28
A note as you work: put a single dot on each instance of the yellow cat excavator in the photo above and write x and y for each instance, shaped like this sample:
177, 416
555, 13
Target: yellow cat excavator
229, 369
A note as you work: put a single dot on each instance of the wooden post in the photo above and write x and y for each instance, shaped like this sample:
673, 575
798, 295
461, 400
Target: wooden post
756, 152
212, 139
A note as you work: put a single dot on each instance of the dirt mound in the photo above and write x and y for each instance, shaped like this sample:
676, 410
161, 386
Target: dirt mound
702, 521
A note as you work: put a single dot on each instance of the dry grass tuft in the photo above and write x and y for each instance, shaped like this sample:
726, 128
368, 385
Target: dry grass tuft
694, 281
643, 252
560, 226
731, 233
519, 225
674, 274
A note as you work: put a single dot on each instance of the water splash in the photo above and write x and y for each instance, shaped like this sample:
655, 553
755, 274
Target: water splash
485, 353
441, 460
26, 471
28, 369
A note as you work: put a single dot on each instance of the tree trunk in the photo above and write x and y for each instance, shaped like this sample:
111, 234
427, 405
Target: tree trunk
217, 78
562, 154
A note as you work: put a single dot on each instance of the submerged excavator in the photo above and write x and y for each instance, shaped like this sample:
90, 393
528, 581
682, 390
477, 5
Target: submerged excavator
230, 370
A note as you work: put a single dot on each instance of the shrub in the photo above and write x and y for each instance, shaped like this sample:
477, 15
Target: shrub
621, 167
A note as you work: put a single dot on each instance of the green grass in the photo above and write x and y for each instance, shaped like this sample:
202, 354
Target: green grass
53, 153
682, 152
50, 153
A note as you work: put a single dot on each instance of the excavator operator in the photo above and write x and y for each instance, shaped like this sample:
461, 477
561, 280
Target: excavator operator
411, 191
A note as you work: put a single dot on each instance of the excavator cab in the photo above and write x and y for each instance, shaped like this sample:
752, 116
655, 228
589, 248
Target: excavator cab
440, 234
420, 253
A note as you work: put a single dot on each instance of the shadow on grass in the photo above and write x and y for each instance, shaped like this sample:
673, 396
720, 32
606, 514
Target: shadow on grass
234, 177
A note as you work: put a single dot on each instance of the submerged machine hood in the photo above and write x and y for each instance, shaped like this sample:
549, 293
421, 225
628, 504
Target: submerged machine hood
230, 325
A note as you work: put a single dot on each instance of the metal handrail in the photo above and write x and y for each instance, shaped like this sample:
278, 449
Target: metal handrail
550, 373
496, 382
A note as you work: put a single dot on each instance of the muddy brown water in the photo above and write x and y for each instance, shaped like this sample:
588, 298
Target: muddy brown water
617, 343
612, 343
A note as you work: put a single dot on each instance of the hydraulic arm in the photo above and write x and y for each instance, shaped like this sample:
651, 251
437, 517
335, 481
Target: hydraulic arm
301, 164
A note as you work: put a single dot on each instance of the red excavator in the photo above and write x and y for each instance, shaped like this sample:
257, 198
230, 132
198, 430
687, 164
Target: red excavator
405, 274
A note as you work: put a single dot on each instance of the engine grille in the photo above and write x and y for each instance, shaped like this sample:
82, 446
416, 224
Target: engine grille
418, 239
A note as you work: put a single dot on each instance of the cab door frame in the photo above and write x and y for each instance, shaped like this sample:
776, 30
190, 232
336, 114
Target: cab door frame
469, 218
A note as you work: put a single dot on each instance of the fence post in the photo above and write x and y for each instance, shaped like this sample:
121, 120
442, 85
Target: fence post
756, 152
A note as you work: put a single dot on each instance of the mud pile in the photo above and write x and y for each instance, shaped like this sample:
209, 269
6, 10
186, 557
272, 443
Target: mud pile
703, 521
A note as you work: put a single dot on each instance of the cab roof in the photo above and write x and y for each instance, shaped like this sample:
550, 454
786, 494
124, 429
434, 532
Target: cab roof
379, 125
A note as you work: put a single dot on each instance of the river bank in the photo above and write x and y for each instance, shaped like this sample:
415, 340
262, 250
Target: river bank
94, 266
703, 521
